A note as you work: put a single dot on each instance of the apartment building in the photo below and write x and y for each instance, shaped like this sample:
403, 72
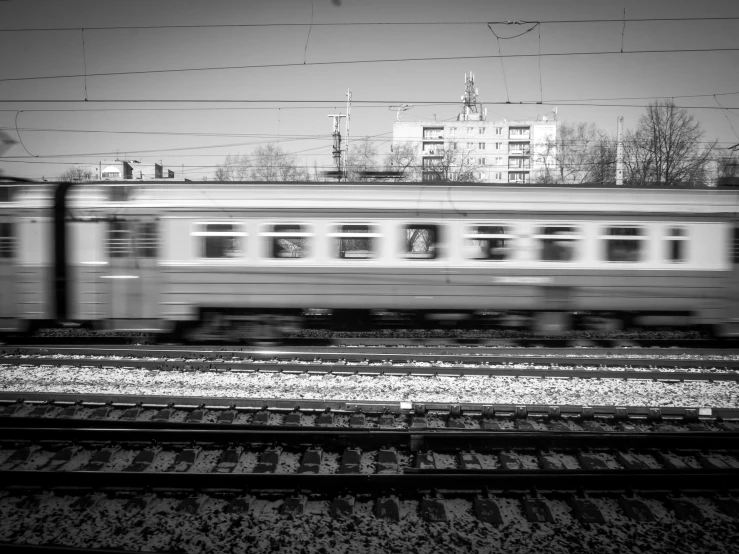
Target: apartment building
499, 151
506, 151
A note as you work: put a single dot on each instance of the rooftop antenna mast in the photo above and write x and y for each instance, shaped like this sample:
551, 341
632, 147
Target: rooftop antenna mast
470, 95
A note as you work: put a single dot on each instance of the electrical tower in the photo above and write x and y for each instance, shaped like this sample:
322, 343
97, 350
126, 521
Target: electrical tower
337, 146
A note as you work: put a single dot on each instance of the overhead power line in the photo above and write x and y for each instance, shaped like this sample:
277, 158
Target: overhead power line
350, 62
384, 102
365, 104
360, 24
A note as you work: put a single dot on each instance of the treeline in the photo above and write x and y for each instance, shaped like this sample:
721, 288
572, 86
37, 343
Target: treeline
667, 147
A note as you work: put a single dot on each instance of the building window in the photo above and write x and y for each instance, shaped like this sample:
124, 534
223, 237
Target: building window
498, 175
676, 243
355, 241
518, 177
624, 244
499, 130
288, 241
111, 172
498, 145
470, 145
219, 240
7, 240
433, 133
557, 243
488, 242
481, 161
481, 146
452, 131
470, 130
421, 242
482, 130
498, 160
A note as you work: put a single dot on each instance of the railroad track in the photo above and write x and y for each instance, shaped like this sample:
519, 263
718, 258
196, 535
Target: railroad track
363, 458
710, 365
103, 339
483, 472
646, 469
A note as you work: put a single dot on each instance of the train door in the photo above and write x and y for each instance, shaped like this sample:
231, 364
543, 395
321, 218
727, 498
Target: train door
8, 307
132, 249
732, 327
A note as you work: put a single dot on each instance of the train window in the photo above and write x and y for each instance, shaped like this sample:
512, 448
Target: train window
421, 242
624, 244
355, 241
557, 243
488, 242
119, 239
146, 239
120, 193
7, 240
6, 194
220, 240
288, 241
676, 244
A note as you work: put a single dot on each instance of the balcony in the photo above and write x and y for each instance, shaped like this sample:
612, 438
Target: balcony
519, 163
519, 133
519, 149
432, 148
433, 134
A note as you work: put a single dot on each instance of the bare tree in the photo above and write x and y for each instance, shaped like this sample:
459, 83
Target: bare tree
76, 174
451, 163
266, 163
569, 157
362, 157
234, 168
404, 157
665, 148
272, 163
602, 160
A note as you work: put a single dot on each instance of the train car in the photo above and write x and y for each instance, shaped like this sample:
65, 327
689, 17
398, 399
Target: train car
26, 257
259, 259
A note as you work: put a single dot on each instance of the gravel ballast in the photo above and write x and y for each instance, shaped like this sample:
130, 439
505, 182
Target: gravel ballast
468, 389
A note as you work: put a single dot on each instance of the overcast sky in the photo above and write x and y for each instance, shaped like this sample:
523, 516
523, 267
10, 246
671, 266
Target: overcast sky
198, 134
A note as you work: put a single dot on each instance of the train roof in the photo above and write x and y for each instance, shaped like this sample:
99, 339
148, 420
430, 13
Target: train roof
406, 197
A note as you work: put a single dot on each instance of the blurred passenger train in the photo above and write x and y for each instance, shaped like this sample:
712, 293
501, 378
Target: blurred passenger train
256, 260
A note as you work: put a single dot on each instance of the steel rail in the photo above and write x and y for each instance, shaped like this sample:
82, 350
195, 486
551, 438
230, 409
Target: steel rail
607, 368
368, 406
409, 482
546, 342
374, 438
369, 351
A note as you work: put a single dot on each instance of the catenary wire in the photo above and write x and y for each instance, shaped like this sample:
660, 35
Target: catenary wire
350, 62
369, 23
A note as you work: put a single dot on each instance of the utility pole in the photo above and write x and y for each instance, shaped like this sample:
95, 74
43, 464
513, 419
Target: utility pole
620, 151
348, 118
337, 144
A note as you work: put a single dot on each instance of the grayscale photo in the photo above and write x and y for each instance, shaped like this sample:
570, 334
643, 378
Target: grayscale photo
369, 276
